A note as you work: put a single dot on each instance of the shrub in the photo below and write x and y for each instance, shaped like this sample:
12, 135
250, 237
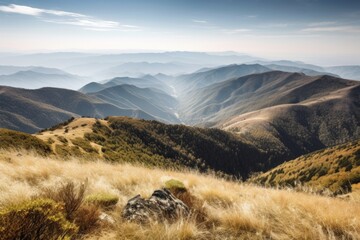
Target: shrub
178, 189
104, 200
50, 141
36, 219
84, 144
87, 218
175, 186
69, 195
62, 139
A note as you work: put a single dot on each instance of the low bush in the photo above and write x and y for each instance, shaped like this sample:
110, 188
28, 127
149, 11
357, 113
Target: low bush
36, 219
178, 189
87, 218
84, 144
175, 186
104, 200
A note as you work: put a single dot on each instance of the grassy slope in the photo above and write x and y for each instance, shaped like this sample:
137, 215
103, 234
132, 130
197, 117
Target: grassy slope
121, 139
13, 140
232, 210
335, 168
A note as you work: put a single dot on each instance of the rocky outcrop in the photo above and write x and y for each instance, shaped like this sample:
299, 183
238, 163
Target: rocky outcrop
161, 206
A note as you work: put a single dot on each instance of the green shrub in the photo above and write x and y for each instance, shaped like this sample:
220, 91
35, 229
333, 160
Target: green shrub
50, 141
175, 185
84, 144
62, 139
36, 219
104, 200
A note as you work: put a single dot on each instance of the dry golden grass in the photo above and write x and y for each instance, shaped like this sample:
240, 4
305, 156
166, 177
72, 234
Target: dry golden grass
234, 210
75, 129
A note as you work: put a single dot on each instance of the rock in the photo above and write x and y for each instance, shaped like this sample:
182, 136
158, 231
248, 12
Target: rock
161, 206
106, 218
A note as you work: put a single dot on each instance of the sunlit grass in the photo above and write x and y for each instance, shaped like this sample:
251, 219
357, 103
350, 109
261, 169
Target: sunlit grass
233, 210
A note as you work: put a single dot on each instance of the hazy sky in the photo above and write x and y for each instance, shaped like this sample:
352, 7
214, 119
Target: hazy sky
317, 31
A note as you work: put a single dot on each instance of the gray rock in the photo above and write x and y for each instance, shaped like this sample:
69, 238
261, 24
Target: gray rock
161, 206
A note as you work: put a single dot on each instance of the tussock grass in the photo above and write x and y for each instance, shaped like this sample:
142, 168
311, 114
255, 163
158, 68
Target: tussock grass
232, 210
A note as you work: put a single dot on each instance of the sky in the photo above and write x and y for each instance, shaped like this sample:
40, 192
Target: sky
324, 32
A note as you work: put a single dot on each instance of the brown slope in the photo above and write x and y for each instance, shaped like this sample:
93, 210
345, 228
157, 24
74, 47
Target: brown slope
219, 102
290, 130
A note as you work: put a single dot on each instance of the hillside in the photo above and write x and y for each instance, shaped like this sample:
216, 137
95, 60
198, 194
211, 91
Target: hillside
121, 139
147, 81
336, 169
220, 209
227, 99
150, 100
33, 110
291, 130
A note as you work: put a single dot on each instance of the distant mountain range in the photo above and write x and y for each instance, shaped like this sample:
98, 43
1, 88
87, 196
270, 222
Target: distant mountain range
38, 77
141, 68
283, 109
347, 72
146, 81
206, 77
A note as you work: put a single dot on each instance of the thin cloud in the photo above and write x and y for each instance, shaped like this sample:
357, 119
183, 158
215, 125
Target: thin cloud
344, 29
199, 21
68, 18
320, 24
235, 31
13, 8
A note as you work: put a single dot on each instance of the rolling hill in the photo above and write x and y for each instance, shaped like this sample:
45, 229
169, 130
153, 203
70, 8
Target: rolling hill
284, 114
146, 81
336, 169
33, 110
150, 100
227, 99
122, 139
